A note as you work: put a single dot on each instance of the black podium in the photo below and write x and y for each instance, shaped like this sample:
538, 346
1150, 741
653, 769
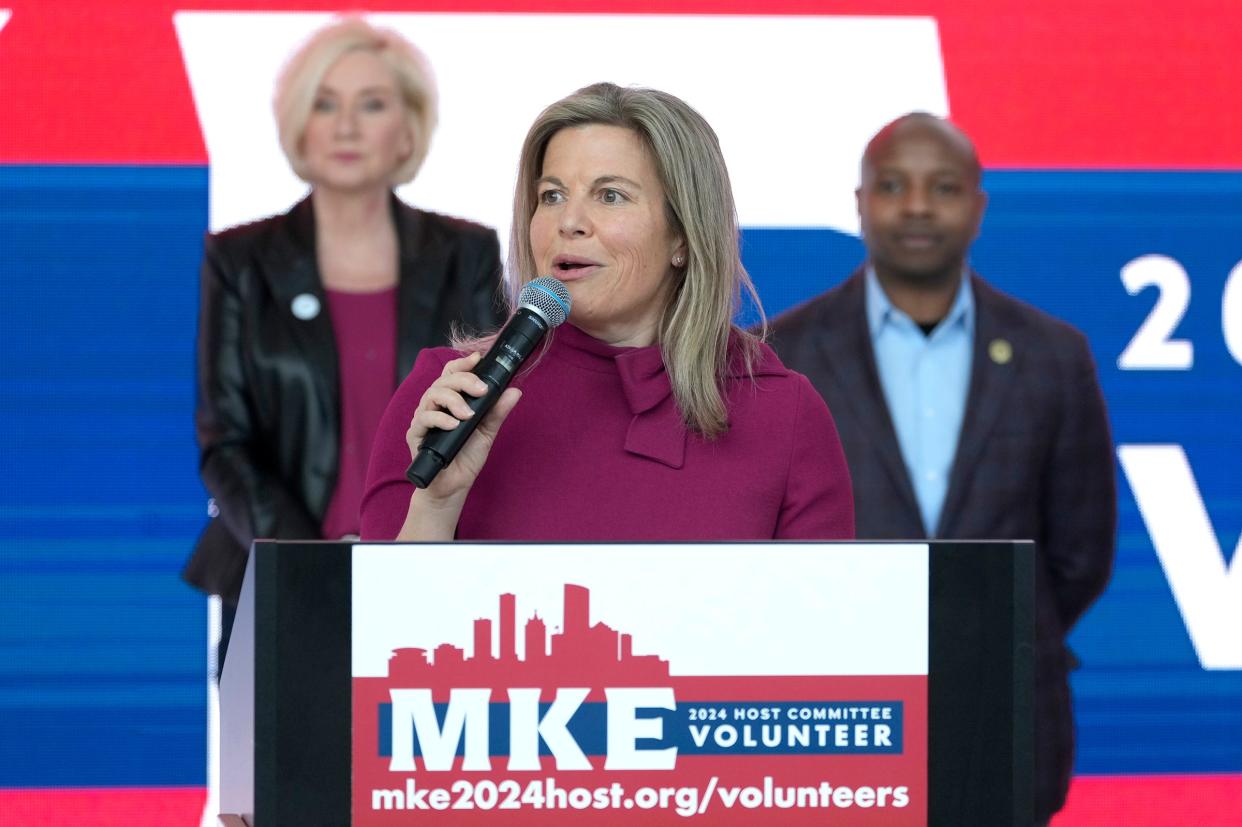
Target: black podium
285, 691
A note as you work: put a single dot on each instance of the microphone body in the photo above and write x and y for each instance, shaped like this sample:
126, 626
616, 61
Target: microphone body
544, 305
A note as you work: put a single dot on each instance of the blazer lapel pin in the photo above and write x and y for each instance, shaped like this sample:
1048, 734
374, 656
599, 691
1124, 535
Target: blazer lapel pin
306, 306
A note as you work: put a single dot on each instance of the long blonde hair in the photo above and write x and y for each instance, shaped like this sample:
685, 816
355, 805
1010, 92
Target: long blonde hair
695, 330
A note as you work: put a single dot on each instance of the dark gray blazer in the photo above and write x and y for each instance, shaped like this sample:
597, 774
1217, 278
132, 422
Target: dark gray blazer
1034, 461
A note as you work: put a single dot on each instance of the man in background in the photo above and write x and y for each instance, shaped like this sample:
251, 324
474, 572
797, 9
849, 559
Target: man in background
964, 413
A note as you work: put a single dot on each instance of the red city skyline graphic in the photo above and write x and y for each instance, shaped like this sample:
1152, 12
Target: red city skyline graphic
581, 653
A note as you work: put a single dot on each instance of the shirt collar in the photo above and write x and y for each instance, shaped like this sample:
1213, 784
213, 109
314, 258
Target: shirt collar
881, 311
657, 430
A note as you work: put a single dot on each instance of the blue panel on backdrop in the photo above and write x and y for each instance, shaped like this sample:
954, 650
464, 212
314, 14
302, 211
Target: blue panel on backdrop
102, 657
101, 674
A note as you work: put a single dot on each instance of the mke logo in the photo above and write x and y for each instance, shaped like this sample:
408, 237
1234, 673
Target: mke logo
582, 692
581, 656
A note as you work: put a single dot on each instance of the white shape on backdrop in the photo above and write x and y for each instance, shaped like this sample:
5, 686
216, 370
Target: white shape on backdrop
211, 806
5, 14
720, 609
1208, 590
1154, 346
1231, 313
793, 99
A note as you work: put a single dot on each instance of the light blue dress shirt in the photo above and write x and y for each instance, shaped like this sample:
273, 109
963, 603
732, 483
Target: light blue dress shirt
925, 380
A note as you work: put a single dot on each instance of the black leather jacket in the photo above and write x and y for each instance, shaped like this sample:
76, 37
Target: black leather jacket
268, 412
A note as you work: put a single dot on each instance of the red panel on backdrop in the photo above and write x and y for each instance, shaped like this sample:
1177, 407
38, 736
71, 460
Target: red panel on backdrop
110, 807
1129, 84
1152, 801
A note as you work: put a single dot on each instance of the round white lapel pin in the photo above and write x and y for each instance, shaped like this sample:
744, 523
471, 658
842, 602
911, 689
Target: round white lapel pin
305, 306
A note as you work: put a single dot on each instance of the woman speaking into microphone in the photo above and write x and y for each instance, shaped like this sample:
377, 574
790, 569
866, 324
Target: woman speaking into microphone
648, 415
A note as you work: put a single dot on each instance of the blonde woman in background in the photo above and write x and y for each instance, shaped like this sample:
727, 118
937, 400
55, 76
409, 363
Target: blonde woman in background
310, 319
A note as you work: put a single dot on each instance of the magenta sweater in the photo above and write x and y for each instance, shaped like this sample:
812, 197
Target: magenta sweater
597, 451
365, 326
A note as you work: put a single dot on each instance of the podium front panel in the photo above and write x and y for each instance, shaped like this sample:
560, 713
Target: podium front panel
850, 683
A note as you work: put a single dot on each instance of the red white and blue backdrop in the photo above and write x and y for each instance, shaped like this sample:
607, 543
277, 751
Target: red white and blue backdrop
1110, 133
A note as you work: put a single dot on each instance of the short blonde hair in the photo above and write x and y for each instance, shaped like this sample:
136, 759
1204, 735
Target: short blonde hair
303, 73
697, 325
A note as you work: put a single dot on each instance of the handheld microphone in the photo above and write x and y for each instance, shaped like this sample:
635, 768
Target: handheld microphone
542, 305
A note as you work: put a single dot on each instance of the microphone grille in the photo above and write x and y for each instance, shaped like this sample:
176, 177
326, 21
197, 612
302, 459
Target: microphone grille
548, 297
